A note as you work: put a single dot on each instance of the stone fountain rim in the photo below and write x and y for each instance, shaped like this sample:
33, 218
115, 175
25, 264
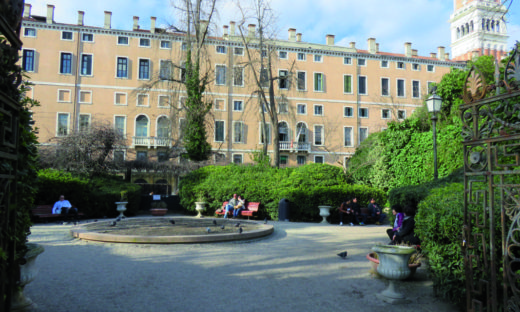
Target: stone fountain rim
392, 249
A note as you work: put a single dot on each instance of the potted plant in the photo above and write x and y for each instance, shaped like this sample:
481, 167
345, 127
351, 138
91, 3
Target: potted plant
121, 205
200, 204
413, 263
158, 208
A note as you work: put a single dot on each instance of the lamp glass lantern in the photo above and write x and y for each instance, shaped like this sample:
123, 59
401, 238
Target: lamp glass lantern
434, 103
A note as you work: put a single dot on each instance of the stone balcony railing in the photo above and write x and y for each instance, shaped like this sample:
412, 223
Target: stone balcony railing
295, 147
151, 142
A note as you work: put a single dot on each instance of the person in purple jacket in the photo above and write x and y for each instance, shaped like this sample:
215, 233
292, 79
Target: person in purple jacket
397, 211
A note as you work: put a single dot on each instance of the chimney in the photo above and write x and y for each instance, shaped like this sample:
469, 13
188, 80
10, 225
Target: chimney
136, 23
329, 39
231, 28
371, 45
434, 55
50, 13
292, 34
153, 19
352, 44
252, 30
299, 37
441, 53
415, 52
81, 16
108, 18
27, 10
408, 49
446, 56
377, 47
225, 30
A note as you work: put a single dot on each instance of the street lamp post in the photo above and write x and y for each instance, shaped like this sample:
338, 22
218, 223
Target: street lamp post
434, 103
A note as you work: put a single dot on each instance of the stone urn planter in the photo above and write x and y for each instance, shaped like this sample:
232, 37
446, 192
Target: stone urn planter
121, 207
28, 273
372, 257
324, 212
393, 265
200, 207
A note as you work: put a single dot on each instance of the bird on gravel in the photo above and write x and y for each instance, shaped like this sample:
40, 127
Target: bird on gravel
172, 221
118, 219
222, 226
343, 255
237, 225
240, 230
113, 223
75, 223
214, 222
95, 220
265, 220
208, 230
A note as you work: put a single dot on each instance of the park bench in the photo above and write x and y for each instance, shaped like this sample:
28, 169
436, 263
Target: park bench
44, 213
249, 209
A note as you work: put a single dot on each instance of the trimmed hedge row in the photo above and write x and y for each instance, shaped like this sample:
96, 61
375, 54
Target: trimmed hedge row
306, 187
95, 198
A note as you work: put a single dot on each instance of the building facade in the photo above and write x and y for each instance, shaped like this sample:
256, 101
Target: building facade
478, 27
332, 99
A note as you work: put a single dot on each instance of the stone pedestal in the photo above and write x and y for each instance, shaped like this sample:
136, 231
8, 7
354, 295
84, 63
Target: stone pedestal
324, 212
200, 207
121, 207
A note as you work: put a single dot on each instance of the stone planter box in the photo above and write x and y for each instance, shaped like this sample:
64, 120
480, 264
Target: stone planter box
375, 262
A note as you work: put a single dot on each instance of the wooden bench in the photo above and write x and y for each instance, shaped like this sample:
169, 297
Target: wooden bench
44, 213
249, 209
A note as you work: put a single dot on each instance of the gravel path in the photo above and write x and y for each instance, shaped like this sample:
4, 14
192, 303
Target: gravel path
294, 269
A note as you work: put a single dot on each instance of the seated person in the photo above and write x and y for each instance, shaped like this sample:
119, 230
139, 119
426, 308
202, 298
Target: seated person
399, 216
406, 233
376, 212
231, 205
239, 207
345, 210
64, 207
357, 212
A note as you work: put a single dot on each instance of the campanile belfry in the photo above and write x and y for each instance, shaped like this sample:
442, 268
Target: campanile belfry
478, 27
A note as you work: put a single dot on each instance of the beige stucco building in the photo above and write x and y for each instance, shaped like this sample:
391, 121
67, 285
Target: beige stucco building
333, 98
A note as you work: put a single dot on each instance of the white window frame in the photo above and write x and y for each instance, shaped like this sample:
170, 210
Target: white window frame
123, 44
314, 110
159, 101
71, 62
145, 46
157, 126
148, 124
397, 65
225, 74
269, 133
81, 65
239, 54
367, 110
428, 68
304, 105
139, 67
318, 58
383, 115
389, 87
404, 112
351, 108
124, 124
351, 136
127, 66
297, 82
286, 55
351, 84
223, 106
359, 134
237, 154
298, 157
29, 36
63, 31
418, 67
242, 68
287, 81
322, 82
33, 59
137, 100
397, 87
286, 159
215, 131
322, 159
347, 60
126, 98
220, 46
169, 45
364, 62
304, 57
89, 120
58, 122
366, 85
322, 135
82, 37
119, 150
241, 106
241, 129
85, 91
387, 64
70, 96
428, 86
418, 89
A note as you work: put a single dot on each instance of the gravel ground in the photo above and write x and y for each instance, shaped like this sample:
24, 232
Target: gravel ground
294, 269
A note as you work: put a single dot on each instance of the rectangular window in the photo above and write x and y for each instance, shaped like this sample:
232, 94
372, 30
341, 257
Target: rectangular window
416, 67
64, 96
237, 159
219, 104
65, 63
264, 53
122, 40
384, 64
416, 89
29, 32
318, 159
144, 69
162, 156
347, 136
120, 99
301, 109
164, 101
400, 65
301, 160
221, 49
219, 131
119, 156
301, 56
142, 155
84, 122
220, 74
283, 159
238, 76
87, 37
238, 132
184, 46
166, 44
385, 86
400, 88
362, 85
238, 51
165, 70
28, 60
261, 130
401, 114
318, 135
85, 97
283, 107
63, 124
363, 134
302, 82
282, 55
283, 79
385, 114
264, 78
363, 112
144, 42
238, 106
319, 82
362, 62
122, 67
318, 110
318, 58
142, 100
86, 64
348, 111
66, 35
347, 60
431, 68
347, 83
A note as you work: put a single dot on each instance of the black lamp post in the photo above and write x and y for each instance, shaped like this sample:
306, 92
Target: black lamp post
434, 103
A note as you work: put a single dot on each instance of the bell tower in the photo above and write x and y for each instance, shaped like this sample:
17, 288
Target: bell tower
478, 27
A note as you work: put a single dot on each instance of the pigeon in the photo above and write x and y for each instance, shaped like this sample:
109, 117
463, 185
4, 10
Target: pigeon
240, 230
222, 226
118, 219
95, 220
172, 221
208, 229
214, 222
343, 255
265, 220
75, 223
113, 223
237, 225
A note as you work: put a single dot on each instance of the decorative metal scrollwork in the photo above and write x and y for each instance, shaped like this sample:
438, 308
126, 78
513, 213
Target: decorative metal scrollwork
475, 86
512, 70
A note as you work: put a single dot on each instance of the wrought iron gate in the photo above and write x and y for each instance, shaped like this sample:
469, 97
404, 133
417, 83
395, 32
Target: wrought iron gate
491, 233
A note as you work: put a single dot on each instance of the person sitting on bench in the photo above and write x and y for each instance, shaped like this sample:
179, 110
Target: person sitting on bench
64, 207
231, 205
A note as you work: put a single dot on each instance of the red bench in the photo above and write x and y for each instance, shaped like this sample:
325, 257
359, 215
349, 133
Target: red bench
249, 209
44, 213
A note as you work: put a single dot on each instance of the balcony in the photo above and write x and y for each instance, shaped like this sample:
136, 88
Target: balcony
151, 142
295, 147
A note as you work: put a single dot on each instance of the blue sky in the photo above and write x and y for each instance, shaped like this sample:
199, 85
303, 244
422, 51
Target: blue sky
392, 23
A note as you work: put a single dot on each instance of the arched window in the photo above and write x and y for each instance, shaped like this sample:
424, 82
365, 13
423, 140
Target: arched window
458, 33
471, 29
483, 24
301, 132
467, 28
141, 126
283, 132
492, 25
498, 26
163, 124
462, 31
487, 25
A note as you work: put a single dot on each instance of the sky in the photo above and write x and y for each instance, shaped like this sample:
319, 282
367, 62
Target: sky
424, 23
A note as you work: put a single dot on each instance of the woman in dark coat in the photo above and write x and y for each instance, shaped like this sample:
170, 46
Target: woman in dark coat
406, 233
